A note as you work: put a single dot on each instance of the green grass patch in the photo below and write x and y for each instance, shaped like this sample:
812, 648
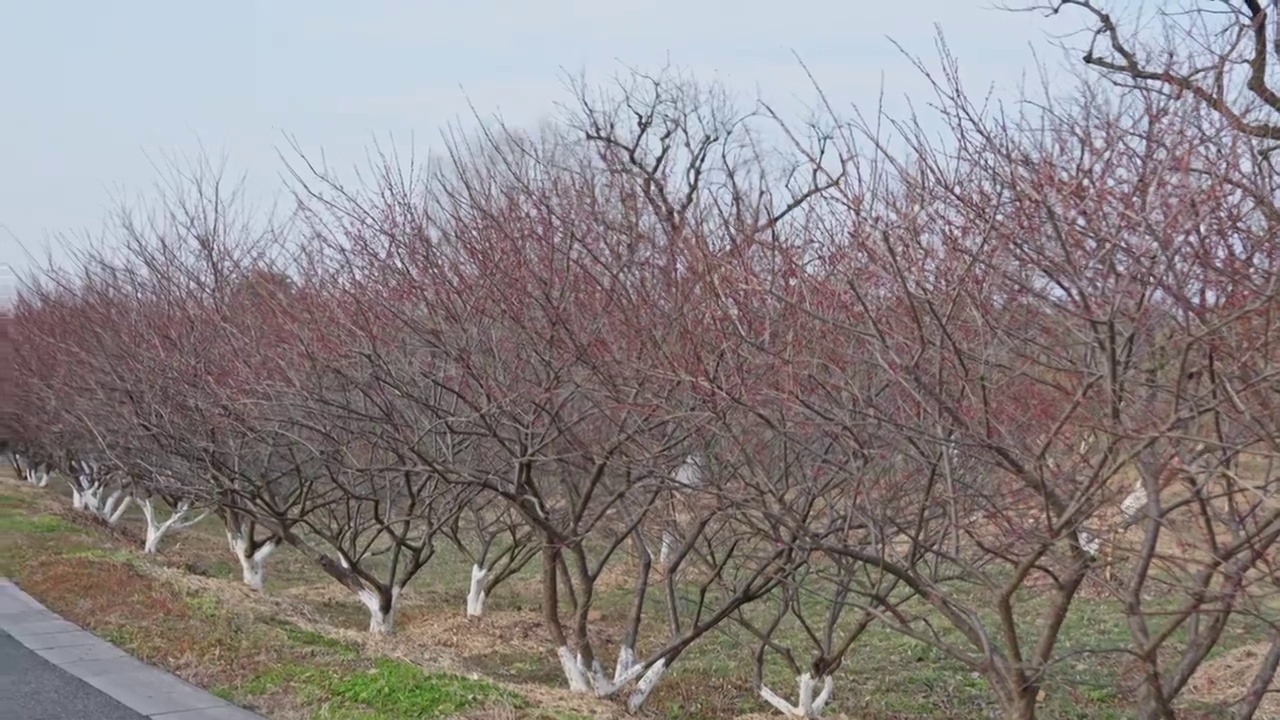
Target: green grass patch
101, 553
388, 690
203, 605
310, 638
120, 636
310, 679
11, 522
13, 501
395, 689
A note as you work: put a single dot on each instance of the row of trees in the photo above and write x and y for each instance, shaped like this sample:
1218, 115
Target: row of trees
832, 382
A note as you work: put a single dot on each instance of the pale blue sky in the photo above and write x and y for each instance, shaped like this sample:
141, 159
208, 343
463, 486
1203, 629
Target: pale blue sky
92, 89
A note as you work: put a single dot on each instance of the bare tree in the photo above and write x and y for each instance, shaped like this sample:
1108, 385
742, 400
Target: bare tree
1221, 55
497, 541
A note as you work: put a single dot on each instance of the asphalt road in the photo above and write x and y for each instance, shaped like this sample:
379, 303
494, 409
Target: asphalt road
32, 688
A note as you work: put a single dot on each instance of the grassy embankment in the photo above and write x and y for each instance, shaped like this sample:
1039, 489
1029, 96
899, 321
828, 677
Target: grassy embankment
299, 651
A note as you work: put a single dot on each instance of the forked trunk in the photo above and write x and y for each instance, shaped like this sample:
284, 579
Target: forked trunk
157, 529
253, 560
86, 495
114, 507
382, 608
37, 478
810, 700
627, 673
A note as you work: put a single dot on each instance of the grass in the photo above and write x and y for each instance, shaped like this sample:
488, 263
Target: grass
395, 689
243, 655
300, 651
388, 690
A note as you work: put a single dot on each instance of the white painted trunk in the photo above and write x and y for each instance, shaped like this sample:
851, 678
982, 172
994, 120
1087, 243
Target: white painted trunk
254, 568
689, 474
253, 565
39, 479
90, 495
645, 687
1089, 543
380, 622
807, 706
476, 595
114, 507
595, 681
626, 660
152, 544
666, 548
573, 671
156, 530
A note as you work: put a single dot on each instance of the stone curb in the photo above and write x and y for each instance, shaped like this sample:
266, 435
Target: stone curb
144, 689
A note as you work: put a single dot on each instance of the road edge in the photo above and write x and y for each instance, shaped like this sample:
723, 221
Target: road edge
143, 688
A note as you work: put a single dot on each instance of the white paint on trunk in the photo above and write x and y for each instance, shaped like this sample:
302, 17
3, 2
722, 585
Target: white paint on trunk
1134, 503
476, 595
666, 547
603, 687
1089, 543
573, 671
626, 660
595, 681
380, 623
156, 529
807, 706
621, 678
90, 495
645, 687
689, 474
252, 565
114, 507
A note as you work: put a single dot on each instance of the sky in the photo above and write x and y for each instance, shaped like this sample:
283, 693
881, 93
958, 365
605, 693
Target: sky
96, 94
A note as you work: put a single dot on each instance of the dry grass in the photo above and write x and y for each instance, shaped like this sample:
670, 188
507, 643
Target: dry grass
1226, 679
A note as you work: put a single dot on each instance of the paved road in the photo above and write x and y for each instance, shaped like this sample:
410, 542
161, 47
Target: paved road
32, 688
50, 669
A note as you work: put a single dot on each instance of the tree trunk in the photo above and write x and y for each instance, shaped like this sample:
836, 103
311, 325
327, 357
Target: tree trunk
808, 705
1020, 704
476, 595
382, 607
645, 686
252, 559
156, 530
